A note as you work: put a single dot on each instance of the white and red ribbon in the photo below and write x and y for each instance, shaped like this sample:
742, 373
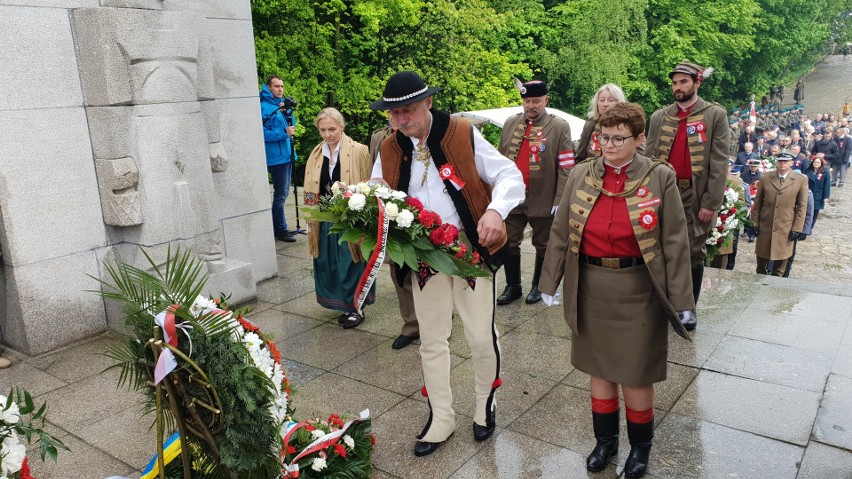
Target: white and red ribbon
292, 470
566, 159
447, 172
374, 263
167, 362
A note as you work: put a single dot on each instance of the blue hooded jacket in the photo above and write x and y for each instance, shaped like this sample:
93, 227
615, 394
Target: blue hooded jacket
274, 130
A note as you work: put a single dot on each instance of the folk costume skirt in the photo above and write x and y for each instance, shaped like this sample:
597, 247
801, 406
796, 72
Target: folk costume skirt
335, 275
623, 331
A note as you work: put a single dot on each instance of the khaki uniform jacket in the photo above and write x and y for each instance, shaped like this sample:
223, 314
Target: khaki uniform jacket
709, 159
547, 178
777, 211
665, 247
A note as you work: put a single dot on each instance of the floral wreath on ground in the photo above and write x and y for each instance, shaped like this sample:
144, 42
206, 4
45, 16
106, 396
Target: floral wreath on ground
19, 420
732, 213
415, 236
215, 382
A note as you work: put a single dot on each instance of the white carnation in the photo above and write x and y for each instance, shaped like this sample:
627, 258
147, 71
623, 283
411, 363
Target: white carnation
11, 415
318, 464
398, 195
392, 210
350, 443
13, 455
384, 192
404, 218
202, 305
317, 433
364, 188
357, 202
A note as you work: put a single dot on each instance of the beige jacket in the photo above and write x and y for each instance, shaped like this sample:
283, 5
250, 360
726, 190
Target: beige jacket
779, 209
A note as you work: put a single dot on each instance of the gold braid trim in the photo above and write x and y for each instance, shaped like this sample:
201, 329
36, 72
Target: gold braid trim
597, 183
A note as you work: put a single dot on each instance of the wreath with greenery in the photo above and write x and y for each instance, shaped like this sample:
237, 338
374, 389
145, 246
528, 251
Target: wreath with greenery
213, 378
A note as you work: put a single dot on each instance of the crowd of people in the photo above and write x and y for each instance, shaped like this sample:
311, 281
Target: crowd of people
622, 222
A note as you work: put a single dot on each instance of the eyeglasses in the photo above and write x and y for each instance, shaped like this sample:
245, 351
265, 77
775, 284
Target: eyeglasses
617, 141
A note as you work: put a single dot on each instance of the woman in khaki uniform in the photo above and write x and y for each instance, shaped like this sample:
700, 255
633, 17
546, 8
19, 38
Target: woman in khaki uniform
606, 96
619, 241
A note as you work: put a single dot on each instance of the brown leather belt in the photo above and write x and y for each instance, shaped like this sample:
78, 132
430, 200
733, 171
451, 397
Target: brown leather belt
684, 184
612, 263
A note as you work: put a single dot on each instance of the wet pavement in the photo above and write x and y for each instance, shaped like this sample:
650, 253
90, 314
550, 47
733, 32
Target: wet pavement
763, 391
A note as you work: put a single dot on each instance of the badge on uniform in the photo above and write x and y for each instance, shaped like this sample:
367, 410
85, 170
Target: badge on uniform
642, 191
697, 127
648, 219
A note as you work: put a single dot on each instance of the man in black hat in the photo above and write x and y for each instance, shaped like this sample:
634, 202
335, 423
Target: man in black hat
540, 144
446, 164
693, 136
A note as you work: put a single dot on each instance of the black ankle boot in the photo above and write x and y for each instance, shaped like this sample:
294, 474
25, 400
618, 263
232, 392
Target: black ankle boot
641, 437
513, 280
697, 277
535, 294
606, 434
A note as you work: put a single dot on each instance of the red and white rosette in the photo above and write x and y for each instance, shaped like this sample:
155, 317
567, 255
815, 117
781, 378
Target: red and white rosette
374, 263
648, 219
697, 127
448, 173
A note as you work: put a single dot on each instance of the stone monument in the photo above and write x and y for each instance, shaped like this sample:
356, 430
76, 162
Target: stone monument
124, 123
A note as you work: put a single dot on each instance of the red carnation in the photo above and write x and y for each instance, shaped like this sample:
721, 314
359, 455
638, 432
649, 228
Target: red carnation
462, 251
451, 234
723, 217
720, 229
720, 241
291, 450
340, 450
273, 350
25, 469
436, 236
414, 202
429, 219
372, 439
309, 428
732, 211
248, 325
475, 257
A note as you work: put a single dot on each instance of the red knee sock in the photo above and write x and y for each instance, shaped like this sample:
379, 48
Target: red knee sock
640, 417
604, 406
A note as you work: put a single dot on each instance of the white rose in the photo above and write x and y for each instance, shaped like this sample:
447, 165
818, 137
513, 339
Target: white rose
398, 195
392, 210
357, 202
318, 464
364, 188
11, 415
350, 443
404, 218
14, 458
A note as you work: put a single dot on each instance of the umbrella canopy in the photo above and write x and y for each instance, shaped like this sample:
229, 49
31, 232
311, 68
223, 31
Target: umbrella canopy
498, 116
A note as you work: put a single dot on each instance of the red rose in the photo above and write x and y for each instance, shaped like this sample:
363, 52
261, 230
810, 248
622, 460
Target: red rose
414, 202
732, 210
720, 228
723, 217
720, 241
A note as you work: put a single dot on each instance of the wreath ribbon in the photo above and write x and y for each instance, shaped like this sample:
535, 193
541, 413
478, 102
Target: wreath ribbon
374, 263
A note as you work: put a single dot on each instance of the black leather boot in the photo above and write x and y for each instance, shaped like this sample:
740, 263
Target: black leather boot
641, 437
697, 277
481, 433
513, 280
535, 294
606, 433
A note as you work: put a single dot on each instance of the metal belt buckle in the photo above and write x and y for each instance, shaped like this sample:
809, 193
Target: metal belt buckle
684, 183
611, 263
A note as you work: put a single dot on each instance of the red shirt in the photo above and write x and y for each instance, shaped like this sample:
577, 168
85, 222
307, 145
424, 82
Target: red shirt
609, 232
679, 155
523, 160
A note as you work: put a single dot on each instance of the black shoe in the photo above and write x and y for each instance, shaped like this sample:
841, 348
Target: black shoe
402, 341
481, 433
286, 237
751, 239
689, 320
511, 293
606, 434
350, 320
534, 296
641, 436
423, 448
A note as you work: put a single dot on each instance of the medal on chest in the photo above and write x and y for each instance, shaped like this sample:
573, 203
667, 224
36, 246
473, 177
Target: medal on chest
699, 128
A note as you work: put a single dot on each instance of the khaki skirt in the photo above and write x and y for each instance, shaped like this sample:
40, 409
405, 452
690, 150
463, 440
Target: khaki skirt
623, 331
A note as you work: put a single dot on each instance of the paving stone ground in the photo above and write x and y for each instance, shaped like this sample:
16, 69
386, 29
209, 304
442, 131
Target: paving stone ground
762, 391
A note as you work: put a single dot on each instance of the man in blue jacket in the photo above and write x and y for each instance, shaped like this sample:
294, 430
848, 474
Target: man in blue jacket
280, 155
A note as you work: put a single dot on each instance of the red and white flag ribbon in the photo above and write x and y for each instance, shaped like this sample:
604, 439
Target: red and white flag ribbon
447, 172
566, 158
374, 264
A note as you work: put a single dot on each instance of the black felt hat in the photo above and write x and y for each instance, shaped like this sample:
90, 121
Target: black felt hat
402, 89
533, 89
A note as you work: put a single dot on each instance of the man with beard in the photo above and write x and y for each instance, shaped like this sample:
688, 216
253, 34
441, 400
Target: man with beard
692, 135
540, 145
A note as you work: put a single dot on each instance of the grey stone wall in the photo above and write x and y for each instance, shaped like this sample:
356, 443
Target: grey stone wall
124, 123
